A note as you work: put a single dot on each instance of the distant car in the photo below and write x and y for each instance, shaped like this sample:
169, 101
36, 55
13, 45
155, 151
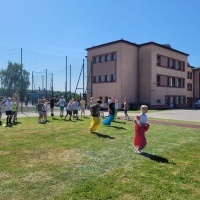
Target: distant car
197, 104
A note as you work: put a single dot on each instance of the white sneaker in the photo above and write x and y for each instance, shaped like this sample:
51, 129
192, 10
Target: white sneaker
137, 150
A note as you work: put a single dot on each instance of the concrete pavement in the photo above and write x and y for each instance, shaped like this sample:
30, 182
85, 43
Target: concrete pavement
183, 114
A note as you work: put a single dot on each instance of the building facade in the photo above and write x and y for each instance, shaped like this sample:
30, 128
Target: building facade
150, 73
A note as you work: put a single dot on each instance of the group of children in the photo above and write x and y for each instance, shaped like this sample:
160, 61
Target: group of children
72, 108
10, 105
141, 124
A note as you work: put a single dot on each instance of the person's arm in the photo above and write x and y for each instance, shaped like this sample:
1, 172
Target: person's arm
36, 108
91, 111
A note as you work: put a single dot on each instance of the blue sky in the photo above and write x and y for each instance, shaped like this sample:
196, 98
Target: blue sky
68, 27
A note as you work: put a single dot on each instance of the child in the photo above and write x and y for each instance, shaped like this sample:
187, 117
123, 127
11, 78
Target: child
116, 109
82, 104
39, 109
126, 109
95, 113
52, 104
8, 105
61, 103
69, 110
44, 101
75, 108
141, 126
111, 110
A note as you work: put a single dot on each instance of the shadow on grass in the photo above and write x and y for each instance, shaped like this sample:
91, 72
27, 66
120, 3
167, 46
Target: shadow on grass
55, 118
102, 135
16, 123
155, 158
119, 122
79, 119
86, 117
118, 127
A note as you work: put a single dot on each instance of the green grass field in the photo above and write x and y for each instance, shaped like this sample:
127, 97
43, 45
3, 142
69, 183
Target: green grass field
62, 160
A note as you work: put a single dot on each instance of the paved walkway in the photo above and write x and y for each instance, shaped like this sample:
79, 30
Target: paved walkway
183, 115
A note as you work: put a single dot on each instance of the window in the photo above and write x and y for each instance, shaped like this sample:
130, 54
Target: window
107, 58
189, 75
158, 80
158, 60
173, 100
100, 59
94, 59
189, 87
99, 78
179, 82
158, 101
184, 100
113, 78
178, 100
173, 64
179, 65
172, 82
168, 62
183, 83
168, 82
167, 100
94, 79
113, 56
107, 78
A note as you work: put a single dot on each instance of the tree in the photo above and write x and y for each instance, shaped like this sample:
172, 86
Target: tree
14, 78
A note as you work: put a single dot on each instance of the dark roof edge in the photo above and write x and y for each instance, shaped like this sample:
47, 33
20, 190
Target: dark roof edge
114, 42
165, 47
196, 68
134, 44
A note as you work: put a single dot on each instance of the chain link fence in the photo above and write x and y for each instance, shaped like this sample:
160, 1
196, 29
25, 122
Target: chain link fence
48, 75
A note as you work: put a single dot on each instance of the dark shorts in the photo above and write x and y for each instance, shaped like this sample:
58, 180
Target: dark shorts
8, 112
69, 112
75, 112
101, 109
61, 108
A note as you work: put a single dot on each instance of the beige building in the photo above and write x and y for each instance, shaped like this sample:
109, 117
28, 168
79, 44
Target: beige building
196, 78
150, 73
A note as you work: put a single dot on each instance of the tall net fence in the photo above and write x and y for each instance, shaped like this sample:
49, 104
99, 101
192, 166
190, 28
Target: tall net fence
48, 75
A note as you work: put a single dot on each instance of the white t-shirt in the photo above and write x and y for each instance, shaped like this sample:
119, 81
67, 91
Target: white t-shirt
8, 106
141, 118
75, 105
62, 102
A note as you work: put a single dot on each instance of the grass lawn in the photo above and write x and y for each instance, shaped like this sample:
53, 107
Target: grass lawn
62, 160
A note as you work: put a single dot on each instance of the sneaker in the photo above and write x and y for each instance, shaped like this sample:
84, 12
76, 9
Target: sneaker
137, 150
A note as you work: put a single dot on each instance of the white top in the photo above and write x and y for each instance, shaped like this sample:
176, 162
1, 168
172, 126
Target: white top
141, 118
44, 107
8, 106
75, 105
62, 102
69, 106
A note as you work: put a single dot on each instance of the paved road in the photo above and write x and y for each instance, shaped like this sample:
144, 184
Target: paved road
184, 115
